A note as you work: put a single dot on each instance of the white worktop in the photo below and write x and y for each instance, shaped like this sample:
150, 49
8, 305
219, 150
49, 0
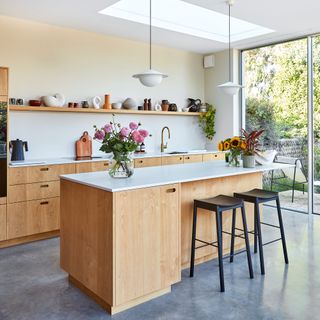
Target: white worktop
66, 160
163, 175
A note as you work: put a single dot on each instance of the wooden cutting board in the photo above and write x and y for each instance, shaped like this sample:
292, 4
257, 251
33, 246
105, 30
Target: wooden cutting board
84, 147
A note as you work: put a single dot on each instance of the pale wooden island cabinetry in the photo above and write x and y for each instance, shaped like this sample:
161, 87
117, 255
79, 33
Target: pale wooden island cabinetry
125, 241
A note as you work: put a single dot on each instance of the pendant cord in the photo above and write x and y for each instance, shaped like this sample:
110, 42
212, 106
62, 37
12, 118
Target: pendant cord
229, 42
150, 37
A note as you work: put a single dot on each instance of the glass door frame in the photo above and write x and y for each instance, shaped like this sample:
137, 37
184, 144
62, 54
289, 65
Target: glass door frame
310, 109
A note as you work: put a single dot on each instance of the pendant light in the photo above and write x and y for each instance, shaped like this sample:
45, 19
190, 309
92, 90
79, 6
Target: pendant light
230, 87
150, 78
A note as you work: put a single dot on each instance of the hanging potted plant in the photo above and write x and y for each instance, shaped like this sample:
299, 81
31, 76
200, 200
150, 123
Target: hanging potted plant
251, 141
121, 142
207, 123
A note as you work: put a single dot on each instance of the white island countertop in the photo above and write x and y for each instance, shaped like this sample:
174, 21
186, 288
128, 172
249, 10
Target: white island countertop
164, 175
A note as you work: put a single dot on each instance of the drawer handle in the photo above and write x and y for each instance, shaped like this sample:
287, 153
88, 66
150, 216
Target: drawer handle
181, 158
44, 169
172, 190
141, 161
44, 186
215, 155
106, 164
187, 158
44, 202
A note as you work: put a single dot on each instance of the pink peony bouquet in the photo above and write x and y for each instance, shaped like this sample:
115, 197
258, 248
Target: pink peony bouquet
120, 140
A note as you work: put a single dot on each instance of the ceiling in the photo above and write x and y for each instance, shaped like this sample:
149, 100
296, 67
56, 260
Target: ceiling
289, 19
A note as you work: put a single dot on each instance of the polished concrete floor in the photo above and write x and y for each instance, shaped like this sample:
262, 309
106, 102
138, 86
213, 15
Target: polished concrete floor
33, 287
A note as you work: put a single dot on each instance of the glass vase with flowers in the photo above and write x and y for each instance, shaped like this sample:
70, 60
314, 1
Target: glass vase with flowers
234, 146
121, 142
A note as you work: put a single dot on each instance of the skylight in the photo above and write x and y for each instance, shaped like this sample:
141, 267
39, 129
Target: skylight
187, 18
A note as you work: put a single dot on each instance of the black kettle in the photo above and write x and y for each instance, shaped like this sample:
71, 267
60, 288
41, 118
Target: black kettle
16, 149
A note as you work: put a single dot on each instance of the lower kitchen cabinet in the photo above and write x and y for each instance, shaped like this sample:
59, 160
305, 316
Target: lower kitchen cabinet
33, 191
3, 218
92, 166
213, 156
172, 160
147, 162
32, 217
192, 158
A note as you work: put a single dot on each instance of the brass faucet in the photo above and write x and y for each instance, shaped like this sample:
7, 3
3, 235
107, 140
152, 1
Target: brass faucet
164, 146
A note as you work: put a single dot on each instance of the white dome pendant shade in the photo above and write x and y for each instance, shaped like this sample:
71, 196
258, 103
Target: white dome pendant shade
150, 77
230, 87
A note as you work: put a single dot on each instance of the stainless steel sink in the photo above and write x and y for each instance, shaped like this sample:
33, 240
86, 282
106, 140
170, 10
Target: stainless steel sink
177, 152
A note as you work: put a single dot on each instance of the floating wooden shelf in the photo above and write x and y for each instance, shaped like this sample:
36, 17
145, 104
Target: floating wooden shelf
91, 110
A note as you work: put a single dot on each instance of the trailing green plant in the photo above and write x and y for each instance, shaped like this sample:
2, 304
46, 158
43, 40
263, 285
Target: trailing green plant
207, 121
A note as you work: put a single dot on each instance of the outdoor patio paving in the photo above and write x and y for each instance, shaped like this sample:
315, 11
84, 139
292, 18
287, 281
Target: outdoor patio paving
300, 202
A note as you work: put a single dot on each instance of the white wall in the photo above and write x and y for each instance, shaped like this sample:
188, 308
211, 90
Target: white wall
47, 59
228, 107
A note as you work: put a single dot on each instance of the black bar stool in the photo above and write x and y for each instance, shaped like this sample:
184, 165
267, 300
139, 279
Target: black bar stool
218, 205
258, 196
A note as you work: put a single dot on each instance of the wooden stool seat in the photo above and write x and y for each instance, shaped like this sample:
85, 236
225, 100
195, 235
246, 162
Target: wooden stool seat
219, 201
259, 195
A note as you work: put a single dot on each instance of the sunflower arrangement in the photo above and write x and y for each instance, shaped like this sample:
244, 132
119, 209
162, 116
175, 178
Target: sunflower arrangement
235, 146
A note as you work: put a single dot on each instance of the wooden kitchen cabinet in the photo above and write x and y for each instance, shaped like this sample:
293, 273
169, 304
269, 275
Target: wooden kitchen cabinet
3, 200
33, 191
147, 162
152, 214
213, 156
4, 81
92, 166
3, 220
30, 174
172, 160
31, 217
192, 158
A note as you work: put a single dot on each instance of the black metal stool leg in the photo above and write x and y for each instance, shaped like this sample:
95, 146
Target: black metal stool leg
245, 230
257, 210
220, 248
233, 230
193, 241
283, 238
255, 248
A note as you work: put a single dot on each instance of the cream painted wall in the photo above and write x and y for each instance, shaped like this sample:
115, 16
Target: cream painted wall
46, 59
228, 107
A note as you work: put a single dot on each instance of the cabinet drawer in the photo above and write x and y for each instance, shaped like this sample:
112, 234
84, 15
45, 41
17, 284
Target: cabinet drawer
32, 174
147, 162
92, 166
32, 217
3, 222
34, 191
172, 160
192, 158
3, 200
213, 156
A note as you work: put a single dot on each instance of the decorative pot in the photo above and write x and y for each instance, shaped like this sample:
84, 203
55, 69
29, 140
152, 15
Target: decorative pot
165, 105
121, 165
57, 100
248, 161
96, 102
234, 159
129, 103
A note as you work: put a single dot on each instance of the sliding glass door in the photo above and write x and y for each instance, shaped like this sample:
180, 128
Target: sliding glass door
276, 99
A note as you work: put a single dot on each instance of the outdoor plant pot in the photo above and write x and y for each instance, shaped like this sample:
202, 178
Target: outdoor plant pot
248, 161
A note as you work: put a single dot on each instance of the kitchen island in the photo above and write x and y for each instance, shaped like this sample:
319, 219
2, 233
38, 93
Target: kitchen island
125, 241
